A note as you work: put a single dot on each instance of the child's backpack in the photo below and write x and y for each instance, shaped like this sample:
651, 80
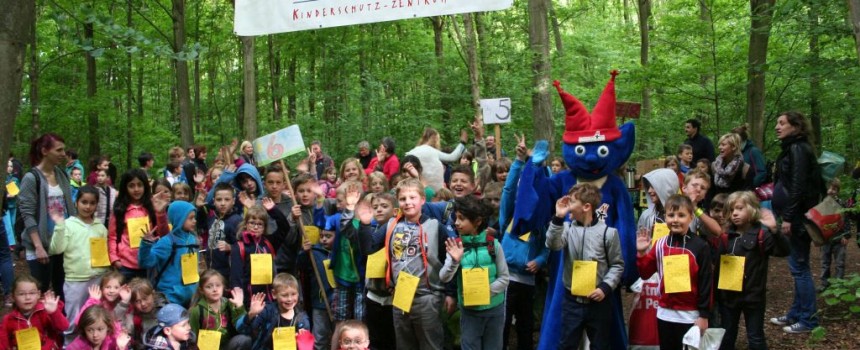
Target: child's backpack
490, 244
241, 245
153, 277
724, 240
20, 225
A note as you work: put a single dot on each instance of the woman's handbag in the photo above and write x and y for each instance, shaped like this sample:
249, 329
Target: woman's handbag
824, 221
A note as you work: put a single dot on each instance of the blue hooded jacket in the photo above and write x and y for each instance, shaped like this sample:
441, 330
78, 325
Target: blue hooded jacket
165, 255
232, 178
519, 253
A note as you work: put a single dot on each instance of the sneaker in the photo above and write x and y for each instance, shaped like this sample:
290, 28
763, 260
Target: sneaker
796, 328
9, 302
781, 321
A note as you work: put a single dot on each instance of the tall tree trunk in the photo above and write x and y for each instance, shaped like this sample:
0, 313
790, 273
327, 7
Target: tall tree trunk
312, 75
186, 129
644, 46
439, 51
275, 77
35, 111
197, 111
249, 124
850, 147
140, 92
291, 97
211, 77
761, 15
706, 77
814, 77
363, 77
626, 11
128, 96
483, 47
16, 23
539, 45
854, 10
92, 111
472, 62
556, 31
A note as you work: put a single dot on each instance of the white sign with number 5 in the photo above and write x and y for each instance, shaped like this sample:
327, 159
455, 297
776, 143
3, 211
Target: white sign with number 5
496, 110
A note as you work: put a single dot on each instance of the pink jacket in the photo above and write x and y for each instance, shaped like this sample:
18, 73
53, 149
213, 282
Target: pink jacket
122, 251
118, 314
50, 326
80, 343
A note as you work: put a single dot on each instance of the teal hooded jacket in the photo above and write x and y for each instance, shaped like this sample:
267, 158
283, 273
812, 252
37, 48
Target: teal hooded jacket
164, 256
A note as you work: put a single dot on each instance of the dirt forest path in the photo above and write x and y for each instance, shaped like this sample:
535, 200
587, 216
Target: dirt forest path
841, 333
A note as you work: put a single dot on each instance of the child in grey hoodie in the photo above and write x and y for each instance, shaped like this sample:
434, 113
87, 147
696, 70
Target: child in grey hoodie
591, 248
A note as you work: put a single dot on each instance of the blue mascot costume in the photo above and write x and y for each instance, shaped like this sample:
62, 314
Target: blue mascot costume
594, 147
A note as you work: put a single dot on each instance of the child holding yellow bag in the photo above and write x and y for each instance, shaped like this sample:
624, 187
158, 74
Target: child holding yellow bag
592, 266
751, 239
683, 261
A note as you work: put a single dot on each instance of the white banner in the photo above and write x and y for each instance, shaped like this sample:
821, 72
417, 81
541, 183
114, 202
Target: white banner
261, 17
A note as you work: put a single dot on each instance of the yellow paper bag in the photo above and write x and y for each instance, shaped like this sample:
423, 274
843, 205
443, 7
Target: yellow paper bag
584, 278
525, 237
476, 287
660, 230
376, 264
208, 340
99, 252
676, 273
731, 273
12, 189
190, 268
312, 234
261, 269
329, 274
28, 339
284, 338
137, 228
404, 292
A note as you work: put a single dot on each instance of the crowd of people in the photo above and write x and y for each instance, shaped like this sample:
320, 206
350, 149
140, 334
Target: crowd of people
380, 251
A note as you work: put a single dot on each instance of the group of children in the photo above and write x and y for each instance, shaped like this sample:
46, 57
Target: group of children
285, 260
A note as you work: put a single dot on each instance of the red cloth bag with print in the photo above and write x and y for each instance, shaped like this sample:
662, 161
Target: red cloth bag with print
643, 318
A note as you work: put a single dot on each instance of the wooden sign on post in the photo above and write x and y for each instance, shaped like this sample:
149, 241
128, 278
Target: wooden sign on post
497, 111
628, 110
278, 145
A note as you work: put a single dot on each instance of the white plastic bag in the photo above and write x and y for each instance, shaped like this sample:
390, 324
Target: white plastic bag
711, 340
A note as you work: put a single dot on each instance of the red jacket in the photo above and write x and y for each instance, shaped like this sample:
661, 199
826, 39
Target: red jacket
389, 168
701, 272
50, 326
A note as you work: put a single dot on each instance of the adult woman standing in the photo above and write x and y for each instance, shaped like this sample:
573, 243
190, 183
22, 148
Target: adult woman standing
795, 192
246, 154
431, 157
49, 193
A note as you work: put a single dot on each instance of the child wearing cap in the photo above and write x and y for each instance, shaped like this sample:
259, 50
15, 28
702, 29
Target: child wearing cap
172, 332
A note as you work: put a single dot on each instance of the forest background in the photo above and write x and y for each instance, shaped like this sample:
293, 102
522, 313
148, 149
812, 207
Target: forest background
122, 77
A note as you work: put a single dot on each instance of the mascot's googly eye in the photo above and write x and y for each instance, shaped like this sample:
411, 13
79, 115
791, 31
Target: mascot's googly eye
603, 151
580, 150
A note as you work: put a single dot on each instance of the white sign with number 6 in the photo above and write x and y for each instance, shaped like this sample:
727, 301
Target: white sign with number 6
496, 110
